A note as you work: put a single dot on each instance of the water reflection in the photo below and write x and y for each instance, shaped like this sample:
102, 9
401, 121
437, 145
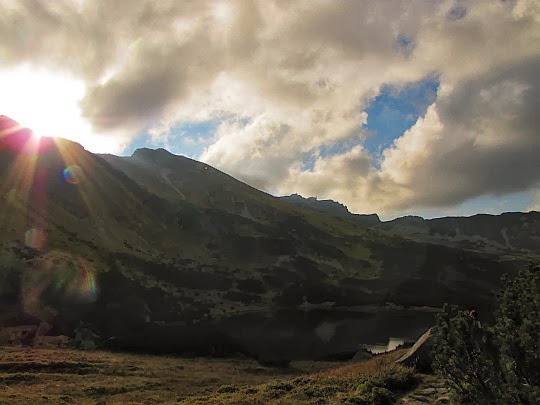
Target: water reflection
319, 333
393, 343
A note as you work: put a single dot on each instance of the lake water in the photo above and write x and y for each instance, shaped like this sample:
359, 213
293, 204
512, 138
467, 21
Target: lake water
316, 334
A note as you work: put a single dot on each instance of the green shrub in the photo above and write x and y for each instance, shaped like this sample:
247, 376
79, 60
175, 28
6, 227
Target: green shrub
499, 363
382, 389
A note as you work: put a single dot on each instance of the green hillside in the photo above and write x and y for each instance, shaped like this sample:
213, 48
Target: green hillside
160, 252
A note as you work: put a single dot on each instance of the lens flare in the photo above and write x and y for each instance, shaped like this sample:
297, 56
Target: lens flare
135, 44
88, 283
35, 238
57, 282
72, 174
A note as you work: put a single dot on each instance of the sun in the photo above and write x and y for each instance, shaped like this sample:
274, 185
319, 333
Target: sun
48, 104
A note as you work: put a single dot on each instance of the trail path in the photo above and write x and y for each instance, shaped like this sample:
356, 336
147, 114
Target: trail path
432, 390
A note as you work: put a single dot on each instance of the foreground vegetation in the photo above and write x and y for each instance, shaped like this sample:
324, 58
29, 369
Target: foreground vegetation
75, 377
376, 381
497, 363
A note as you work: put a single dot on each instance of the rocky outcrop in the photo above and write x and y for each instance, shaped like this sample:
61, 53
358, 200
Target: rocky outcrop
331, 207
419, 356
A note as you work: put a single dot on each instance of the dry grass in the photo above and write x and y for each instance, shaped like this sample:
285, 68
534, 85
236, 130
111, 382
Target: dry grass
365, 368
375, 381
30, 376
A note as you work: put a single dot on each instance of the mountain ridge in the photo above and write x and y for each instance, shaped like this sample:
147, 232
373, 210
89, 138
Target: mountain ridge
183, 257
296, 198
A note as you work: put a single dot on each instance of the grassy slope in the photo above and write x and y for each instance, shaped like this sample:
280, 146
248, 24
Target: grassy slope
69, 376
108, 213
221, 250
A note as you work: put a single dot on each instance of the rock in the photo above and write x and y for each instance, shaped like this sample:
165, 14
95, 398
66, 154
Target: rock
87, 345
411, 401
362, 355
85, 338
18, 335
427, 391
52, 341
43, 328
420, 398
419, 356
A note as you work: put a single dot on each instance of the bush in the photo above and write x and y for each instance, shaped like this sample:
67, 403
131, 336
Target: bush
382, 388
499, 363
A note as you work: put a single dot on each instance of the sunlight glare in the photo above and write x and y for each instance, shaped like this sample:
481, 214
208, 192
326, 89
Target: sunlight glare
47, 103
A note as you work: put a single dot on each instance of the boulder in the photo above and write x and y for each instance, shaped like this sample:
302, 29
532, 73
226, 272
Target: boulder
87, 345
85, 338
419, 355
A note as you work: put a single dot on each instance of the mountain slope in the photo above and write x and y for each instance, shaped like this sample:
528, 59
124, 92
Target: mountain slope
165, 253
507, 233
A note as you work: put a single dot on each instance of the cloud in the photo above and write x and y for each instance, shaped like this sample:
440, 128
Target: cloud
286, 81
457, 13
535, 206
479, 139
343, 177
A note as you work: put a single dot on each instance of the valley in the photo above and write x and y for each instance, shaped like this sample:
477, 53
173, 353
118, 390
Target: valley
159, 253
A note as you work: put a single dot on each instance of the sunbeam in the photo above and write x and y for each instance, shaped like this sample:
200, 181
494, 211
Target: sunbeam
22, 186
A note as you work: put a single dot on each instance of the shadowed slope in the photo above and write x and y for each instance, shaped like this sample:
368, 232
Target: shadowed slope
165, 253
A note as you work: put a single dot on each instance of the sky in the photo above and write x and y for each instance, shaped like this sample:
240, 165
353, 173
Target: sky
413, 107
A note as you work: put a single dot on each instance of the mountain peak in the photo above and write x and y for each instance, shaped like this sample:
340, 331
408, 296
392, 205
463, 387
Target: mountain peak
153, 155
329, 206
150, 151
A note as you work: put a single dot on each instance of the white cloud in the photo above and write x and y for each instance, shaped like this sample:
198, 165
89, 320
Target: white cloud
535, 206
286, 80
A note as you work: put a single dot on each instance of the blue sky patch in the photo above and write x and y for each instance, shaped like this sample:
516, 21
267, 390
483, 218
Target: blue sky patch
390, 114
483, 204
395, 110
187, 138
328, 150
